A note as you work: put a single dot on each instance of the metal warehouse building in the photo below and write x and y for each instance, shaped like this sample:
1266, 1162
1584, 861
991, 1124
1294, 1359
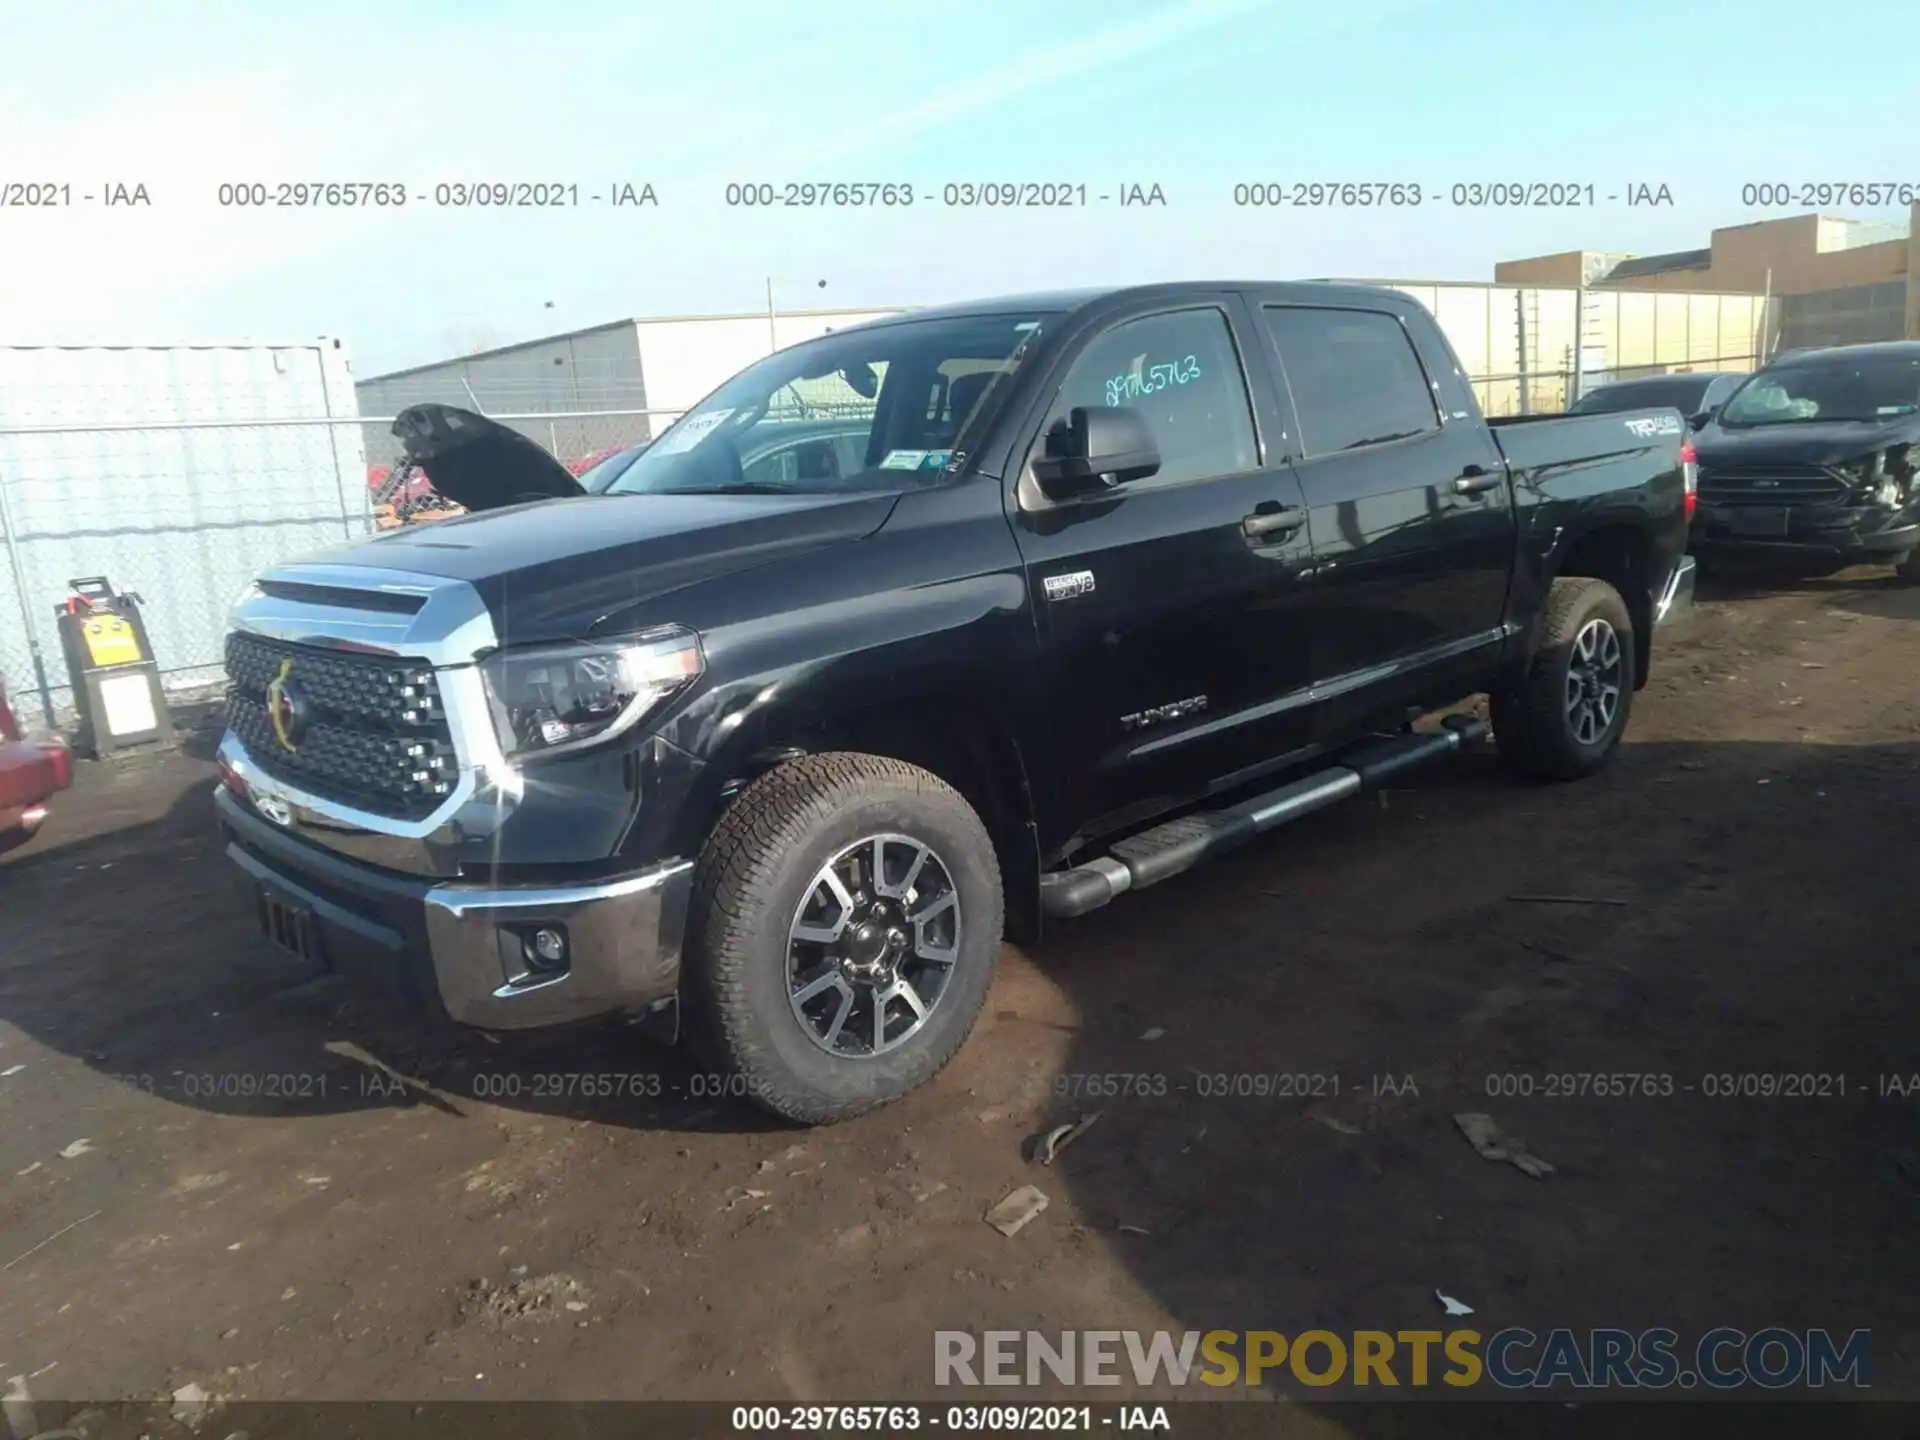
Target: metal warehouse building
663, 365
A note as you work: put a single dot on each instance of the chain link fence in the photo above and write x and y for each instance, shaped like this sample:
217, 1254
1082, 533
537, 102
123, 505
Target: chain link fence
184, 514
1548, 392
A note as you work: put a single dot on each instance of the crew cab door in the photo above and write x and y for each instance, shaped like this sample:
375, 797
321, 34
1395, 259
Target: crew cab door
1165, 605
1409, 508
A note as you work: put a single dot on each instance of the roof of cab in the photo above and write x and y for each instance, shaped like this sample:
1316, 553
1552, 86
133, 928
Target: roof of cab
1066, 301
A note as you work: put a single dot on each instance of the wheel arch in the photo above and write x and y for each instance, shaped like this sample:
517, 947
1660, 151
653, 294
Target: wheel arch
1620, 552
953, 736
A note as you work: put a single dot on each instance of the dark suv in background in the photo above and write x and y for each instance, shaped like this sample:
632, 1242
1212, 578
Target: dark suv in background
1696, 394
1811, 462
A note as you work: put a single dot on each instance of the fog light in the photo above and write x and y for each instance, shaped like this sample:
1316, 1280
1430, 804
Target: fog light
547, 948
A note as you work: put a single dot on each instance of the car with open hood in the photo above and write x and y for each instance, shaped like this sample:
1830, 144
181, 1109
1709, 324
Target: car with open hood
1812, 462
934, 630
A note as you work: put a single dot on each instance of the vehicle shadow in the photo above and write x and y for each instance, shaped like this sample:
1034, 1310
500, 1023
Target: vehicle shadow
1279, 1046
124, 943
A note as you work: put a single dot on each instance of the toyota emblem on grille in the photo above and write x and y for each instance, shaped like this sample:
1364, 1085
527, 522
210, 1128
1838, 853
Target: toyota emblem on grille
273, 807
287, 708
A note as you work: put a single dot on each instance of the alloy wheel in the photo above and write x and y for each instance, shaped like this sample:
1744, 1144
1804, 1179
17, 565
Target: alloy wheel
872, 946
1594, 673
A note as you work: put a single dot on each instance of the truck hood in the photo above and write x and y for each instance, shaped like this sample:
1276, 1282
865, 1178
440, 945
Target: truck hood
1809, 443
478, 463
564, 569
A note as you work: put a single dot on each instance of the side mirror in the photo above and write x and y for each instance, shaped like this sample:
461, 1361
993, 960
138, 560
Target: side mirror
1699, 420
1096, 448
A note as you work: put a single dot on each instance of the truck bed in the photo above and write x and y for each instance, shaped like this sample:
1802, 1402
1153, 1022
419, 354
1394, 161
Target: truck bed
1647, 441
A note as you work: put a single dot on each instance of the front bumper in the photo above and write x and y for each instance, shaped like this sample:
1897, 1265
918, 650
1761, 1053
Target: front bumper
456, 948
1844, 534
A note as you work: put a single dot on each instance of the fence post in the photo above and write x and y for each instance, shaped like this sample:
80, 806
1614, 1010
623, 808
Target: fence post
26, 605
1520, 327
1579, 344
333, 440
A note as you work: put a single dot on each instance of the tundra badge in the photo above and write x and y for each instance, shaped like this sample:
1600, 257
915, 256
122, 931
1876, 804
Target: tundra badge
1161, 714
1067, 587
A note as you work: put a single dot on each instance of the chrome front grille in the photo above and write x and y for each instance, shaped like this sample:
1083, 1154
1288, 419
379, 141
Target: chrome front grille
371, 730
1772, 485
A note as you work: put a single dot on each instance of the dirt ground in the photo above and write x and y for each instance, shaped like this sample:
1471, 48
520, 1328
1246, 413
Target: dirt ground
212, 1174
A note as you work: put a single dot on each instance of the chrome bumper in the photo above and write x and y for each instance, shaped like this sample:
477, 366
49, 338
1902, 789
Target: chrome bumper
466, 941
1677, 598
623, 941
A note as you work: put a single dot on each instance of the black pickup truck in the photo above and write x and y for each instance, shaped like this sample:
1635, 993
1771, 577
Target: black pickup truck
912, 636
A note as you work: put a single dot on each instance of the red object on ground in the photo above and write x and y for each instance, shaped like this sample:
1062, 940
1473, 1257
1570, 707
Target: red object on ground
30, 775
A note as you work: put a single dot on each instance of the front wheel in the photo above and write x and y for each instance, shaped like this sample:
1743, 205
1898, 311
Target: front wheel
1907, 568
844, 930
1563, 719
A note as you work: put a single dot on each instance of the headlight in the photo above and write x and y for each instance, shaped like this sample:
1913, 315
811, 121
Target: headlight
554, 698
1873, 485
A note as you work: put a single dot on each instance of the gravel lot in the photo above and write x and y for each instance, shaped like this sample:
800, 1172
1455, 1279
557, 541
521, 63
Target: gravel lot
285, 1192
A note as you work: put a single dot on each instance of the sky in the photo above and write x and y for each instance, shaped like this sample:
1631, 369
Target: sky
1194, 96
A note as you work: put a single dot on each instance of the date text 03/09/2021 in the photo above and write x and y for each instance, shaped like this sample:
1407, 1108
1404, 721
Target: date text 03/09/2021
959, 1419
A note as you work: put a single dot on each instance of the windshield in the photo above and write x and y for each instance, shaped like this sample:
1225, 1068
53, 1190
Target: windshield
1830, 387
871, 410
598, 477
1684, 392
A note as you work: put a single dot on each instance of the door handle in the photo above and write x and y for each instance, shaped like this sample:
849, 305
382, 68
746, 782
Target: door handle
1262, 523
1475, 481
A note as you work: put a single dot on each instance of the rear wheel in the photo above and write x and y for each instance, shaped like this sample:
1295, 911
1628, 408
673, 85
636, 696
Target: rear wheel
1563, 719
844, 930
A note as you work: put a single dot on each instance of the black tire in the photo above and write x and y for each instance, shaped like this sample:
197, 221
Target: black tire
1907, 568
1534, 721
761, 864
